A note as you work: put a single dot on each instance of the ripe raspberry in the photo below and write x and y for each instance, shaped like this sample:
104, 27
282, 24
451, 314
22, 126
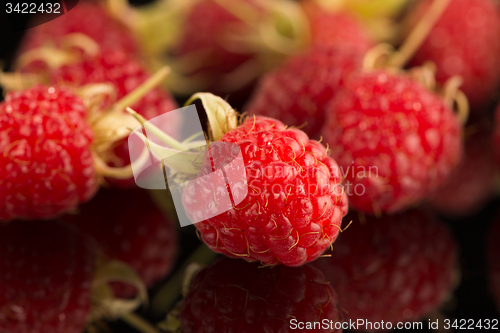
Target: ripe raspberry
130, 228
298, 93
46, 278
46, 166
205, 35
493, 263
394, 140
126, 74
88, 18
397, 268
233, 296
294, 206
336, 29
472, 184
465, 42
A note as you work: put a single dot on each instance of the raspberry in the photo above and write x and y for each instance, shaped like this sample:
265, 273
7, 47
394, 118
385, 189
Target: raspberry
395, 140
126, 74
46, 278
465, 42
46, 166
294, 206
396, 268
493, 263
88, 18
471, 185
130, 228
298, 93
336, 29
233, 296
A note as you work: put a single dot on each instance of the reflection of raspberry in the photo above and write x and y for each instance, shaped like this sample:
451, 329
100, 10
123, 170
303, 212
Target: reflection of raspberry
294, 205
46, 166
87, 18
493, 262
46, 278
465, 41
233, 296
472, 184
395, 140
397, 268
130, 228
299, 92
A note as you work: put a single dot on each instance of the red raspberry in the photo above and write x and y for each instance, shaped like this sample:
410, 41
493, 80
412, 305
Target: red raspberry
493, 262
46, 166
234, 296
130, 228
88, 18
396, 268
472, 184
336, 29
465, 42
46, 278
126, 74
298, 93
394, 140
205, 35
294, 206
